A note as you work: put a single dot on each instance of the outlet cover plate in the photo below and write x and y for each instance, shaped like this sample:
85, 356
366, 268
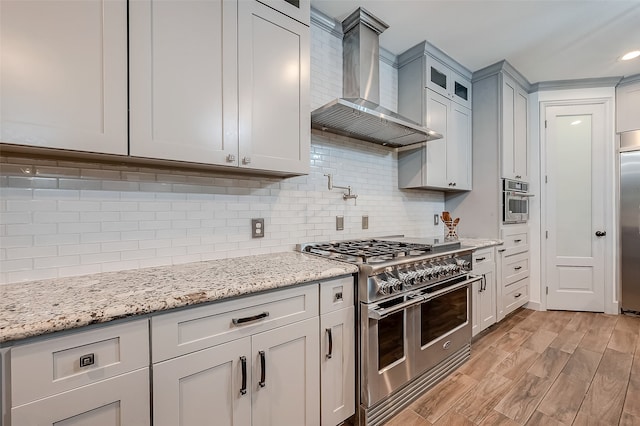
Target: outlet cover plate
365, 222
257, 228
339, 223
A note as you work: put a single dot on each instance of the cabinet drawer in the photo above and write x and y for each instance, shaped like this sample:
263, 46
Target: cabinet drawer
55, 365
189, 330
516, 296
121, 400
336, 294
483, 257
515, 268
516, 240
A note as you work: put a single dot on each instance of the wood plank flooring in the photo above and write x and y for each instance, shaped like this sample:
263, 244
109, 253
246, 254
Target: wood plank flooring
541, 368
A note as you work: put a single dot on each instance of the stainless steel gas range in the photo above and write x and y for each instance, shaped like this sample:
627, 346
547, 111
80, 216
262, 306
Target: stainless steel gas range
415, 317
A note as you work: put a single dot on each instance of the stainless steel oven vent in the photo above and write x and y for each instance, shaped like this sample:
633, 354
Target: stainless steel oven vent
358, 114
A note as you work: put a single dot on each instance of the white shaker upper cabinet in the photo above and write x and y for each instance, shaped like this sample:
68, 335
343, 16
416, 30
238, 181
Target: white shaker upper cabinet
300, 10
273, 86
63, 74
515, 152
183, 80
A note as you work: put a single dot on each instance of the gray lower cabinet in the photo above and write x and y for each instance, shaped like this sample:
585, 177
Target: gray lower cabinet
337, 351
267, 379
284, 357
513, 267
92, 377
121, 400
484, 292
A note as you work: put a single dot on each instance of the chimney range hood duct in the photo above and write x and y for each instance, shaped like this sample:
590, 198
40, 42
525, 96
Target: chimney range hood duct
359, 114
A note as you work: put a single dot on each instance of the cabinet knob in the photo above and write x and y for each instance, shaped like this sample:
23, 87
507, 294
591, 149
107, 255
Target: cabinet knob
231, 158
601, 233
518, 177
246, 160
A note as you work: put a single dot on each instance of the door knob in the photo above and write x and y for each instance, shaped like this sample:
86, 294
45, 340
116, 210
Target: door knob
601, 233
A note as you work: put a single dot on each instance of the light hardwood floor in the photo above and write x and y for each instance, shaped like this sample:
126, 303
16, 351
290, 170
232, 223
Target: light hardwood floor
541, 368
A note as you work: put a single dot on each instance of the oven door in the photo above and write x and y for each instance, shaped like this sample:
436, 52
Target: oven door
385, 348
442, 322
516, 207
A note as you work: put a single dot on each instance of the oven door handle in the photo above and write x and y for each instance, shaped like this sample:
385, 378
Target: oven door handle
472, 279
381, 313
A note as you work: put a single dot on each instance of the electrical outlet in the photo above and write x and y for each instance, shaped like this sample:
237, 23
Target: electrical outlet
339, 223
365, 222
257, 228
436, 219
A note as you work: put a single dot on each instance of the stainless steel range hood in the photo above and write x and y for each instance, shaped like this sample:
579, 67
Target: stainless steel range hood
359, 114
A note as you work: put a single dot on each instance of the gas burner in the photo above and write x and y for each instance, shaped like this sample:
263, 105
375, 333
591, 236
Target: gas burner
369, 251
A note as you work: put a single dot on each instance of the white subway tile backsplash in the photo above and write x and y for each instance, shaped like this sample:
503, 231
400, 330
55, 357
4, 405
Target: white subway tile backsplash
120, 266
31, 252
55, 261
99, 237
99, 258
71, 249
118, 246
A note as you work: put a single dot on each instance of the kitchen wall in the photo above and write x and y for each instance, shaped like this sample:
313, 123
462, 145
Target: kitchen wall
62, 218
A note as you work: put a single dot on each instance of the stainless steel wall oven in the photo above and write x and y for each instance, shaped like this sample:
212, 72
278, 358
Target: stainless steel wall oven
515, 201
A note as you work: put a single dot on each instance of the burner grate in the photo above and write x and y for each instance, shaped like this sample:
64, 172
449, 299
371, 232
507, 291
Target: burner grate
367, 249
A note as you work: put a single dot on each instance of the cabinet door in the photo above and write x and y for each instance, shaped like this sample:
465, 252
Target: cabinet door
183, 80
64, 74
286, 379
121, 400
438, 77
515, 154
520, 132
487, 303
204, 387
274, 109
461, 90
459, 148
508, 131
299, 10
476, 289
435, 161
337, 366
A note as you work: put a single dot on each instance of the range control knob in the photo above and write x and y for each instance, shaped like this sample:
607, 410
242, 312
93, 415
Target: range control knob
396, 284
384, 287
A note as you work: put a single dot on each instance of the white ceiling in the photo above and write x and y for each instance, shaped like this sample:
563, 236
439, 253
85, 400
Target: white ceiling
544, 40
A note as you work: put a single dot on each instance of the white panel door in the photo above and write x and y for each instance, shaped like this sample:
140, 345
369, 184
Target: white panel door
436, 152
204, 387
63, 74
118, 401
183, 80
286, 382
337, 366
274, 105
575, 212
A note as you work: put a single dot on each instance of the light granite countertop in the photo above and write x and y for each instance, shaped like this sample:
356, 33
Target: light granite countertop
478, 243
40, 307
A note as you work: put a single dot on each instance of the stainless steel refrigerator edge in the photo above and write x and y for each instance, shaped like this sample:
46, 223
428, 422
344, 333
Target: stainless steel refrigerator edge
630, 220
